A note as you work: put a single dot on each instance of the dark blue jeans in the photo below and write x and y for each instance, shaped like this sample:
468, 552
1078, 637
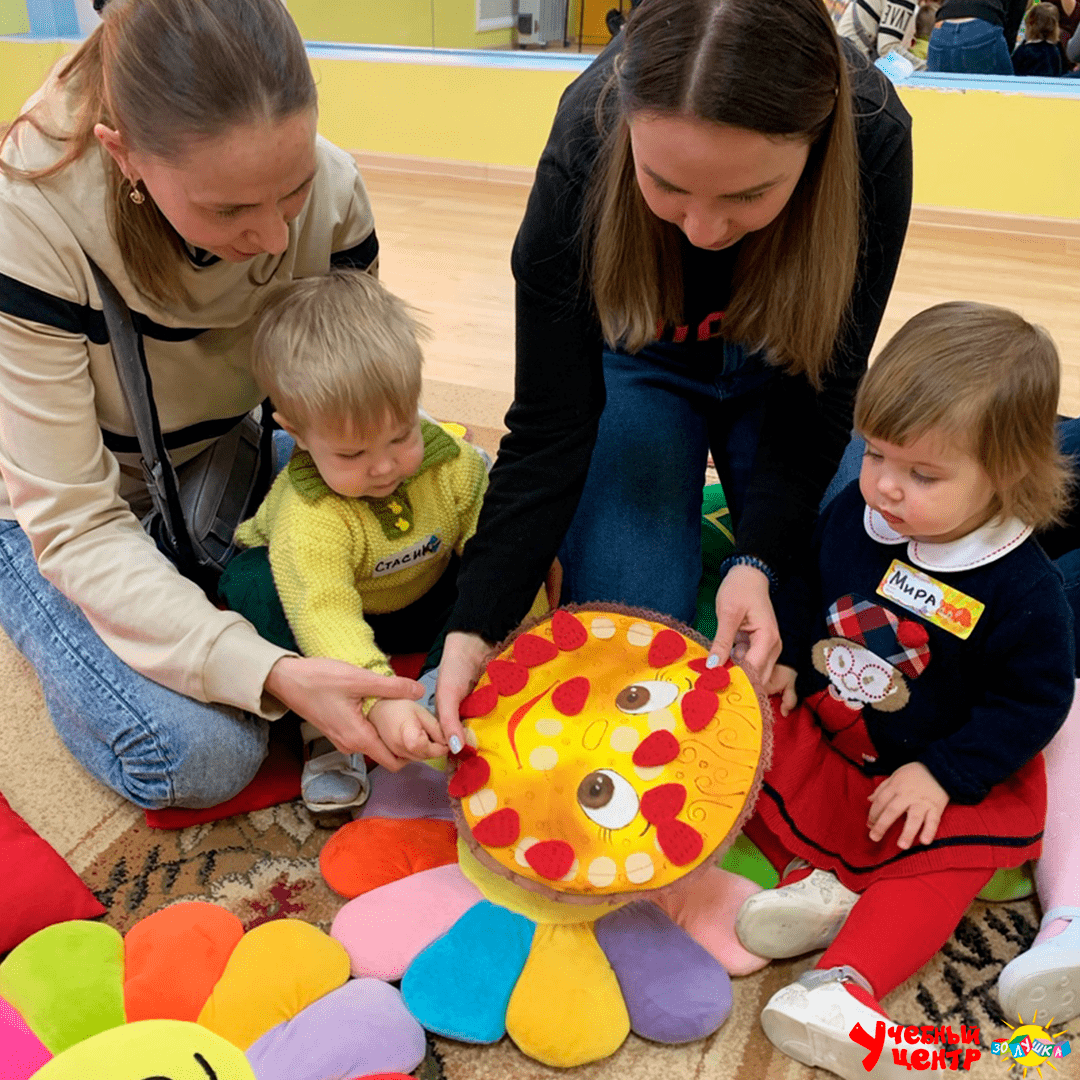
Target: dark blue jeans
636, 536
1061, 543
974, 47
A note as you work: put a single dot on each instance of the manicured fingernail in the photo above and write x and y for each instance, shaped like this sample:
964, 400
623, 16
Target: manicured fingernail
713, 661
455, 745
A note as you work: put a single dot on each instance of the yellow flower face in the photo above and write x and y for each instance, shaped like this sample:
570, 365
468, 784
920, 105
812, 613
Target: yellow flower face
604, 759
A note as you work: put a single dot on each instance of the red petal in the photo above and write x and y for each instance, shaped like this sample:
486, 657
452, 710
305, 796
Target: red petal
507, 677
666, 648
480, 702
500, 829
680, 842
530, 650
657, 749
469, 777
717, 678
550, 858
568, 632
662, 803
698, 708
570, 697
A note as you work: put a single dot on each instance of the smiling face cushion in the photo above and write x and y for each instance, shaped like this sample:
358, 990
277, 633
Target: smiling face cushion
157, 1049
605, 760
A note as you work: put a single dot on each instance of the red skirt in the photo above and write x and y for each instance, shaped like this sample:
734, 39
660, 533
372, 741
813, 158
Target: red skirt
816, 802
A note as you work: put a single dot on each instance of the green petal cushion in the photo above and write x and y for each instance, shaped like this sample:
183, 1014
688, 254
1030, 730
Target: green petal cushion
67, 982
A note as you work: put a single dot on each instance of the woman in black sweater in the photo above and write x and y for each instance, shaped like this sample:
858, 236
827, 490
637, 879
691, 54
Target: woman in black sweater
703, 265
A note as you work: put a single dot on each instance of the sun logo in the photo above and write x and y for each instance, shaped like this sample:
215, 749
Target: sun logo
604, 759
1032, 1046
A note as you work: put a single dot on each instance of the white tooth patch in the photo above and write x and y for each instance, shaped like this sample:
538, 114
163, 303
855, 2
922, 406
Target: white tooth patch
544, 758
639, 634
602, 627
602, 872
483, 802
639, 868
625, 740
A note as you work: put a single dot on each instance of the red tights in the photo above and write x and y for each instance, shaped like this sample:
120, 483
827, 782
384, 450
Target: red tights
897, 925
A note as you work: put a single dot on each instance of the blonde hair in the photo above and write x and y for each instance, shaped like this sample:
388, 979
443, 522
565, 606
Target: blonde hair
166, 73
770, 66
1041, 24
339, 349
989, 382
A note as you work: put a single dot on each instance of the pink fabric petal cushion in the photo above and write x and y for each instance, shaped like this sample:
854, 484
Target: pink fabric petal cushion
385, 930
22, 1053
360, 1028
39, 888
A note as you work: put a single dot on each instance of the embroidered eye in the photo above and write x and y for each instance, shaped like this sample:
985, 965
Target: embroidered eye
875, 682
608, 799
646, 696
840, 660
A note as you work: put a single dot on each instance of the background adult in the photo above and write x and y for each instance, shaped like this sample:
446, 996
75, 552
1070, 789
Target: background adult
879, 27
975, 37
177, 149
704, 261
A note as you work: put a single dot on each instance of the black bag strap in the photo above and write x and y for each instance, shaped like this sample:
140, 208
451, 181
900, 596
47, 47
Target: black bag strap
138, 390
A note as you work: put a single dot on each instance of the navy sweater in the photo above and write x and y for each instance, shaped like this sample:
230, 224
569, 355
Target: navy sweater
981, 707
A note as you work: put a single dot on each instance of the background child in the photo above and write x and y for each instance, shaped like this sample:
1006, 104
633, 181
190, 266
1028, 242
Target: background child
1040, 53
363, 529
935, 659
924, 27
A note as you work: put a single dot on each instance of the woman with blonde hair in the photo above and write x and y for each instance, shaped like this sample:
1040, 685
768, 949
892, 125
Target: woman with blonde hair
177, 150
706, 254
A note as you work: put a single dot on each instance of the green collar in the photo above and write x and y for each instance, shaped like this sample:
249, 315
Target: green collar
394, 512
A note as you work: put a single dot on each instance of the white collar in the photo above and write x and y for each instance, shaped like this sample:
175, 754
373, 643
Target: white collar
985, 545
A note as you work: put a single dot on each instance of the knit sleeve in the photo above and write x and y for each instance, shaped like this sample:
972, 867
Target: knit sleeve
313, 553
468, 482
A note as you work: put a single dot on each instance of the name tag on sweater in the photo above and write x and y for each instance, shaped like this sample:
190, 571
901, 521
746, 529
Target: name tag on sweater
931, 599
421, 551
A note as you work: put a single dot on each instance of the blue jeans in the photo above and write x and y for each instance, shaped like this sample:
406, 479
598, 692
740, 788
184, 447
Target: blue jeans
974, 47
152, 745
636, 536
1061, 543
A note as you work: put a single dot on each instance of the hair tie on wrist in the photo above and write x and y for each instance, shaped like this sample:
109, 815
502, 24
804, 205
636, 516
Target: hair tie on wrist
749, 560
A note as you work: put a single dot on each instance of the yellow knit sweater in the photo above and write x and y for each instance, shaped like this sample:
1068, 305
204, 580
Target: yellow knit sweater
333, 558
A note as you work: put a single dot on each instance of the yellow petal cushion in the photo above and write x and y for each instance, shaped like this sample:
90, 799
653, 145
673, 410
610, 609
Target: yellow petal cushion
276, 970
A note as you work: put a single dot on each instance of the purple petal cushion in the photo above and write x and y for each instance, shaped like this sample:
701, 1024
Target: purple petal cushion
362, 1027
38, 887
674, 990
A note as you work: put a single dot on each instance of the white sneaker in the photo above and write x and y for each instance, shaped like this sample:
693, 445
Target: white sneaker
795, 919
1046, 978
812, 1024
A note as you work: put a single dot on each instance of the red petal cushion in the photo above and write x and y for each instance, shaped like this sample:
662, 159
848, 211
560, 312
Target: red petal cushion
38, 888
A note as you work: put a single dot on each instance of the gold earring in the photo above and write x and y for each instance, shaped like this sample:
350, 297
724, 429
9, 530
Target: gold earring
135, 195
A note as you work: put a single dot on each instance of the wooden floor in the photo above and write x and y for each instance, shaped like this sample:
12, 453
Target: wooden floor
445, 246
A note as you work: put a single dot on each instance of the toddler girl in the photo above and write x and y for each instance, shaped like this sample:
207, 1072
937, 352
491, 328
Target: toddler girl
932, 651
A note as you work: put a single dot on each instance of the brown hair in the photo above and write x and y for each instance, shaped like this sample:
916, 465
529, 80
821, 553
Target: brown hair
989, 381
1041, 24
165, 73
338, 348
770, 66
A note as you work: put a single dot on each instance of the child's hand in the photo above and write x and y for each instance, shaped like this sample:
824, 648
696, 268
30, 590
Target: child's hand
407, 729
783, 683
913, 790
